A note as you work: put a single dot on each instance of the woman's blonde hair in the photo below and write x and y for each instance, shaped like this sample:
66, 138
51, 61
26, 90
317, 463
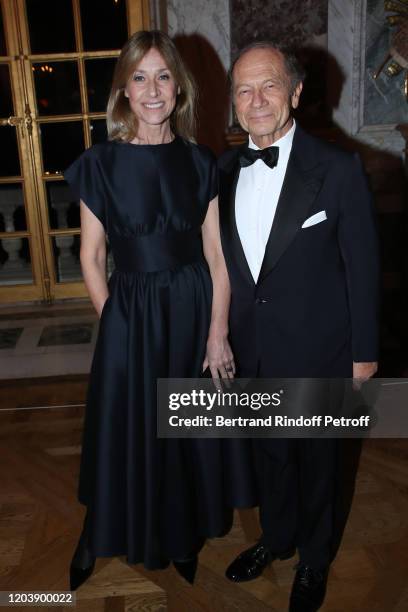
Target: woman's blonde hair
121, 121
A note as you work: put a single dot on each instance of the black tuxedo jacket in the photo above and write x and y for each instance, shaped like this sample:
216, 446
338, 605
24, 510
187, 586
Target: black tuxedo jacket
314, 309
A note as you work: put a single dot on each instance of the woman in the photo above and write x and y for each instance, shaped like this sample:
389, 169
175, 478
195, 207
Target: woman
163, 314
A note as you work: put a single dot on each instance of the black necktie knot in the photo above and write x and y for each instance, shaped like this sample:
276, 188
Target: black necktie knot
269, 156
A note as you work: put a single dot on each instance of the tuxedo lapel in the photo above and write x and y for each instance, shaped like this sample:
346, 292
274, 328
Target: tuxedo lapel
302, 183
228, 187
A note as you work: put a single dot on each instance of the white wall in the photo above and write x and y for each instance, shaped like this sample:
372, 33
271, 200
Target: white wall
210, 18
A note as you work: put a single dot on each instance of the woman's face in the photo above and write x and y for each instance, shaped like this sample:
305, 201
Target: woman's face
152, 90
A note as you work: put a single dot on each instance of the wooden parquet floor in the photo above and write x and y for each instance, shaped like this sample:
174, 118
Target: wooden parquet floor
40, 520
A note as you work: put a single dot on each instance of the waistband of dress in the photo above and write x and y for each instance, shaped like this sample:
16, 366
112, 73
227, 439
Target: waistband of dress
156, 252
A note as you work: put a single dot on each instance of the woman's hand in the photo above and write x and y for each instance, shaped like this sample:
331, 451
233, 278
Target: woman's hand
93, 258
219, 357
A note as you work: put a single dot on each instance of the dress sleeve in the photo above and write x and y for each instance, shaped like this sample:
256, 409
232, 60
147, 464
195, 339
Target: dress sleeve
84, 178
213, 178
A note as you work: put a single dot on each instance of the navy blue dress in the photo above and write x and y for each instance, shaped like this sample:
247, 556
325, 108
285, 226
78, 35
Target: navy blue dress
152, 499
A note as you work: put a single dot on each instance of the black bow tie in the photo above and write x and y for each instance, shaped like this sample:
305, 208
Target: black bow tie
269, 156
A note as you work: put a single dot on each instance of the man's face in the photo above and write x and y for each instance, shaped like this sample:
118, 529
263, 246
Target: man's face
263, 95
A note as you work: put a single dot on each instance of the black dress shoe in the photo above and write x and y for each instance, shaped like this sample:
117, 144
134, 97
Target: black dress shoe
309, 589
251, 563
187, 568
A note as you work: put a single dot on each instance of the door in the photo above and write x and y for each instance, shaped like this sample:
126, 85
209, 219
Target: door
56, 64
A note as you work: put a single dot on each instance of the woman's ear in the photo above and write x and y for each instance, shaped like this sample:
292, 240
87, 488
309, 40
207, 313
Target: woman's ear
178, 90
125, 93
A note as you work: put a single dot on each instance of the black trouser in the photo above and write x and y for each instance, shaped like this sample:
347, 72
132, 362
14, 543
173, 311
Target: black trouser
297, 481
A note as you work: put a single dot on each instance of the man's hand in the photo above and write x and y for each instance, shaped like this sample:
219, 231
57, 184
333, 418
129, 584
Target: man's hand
362, 371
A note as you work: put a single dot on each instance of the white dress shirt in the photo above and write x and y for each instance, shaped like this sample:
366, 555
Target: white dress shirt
256, 199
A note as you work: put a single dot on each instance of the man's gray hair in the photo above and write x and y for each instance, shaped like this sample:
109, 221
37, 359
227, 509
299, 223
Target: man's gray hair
294, 68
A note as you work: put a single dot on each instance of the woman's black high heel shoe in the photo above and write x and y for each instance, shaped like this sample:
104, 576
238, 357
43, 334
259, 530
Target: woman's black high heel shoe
83, 562
187, 568
78, 575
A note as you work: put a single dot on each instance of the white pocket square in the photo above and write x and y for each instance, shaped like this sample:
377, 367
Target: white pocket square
317, 218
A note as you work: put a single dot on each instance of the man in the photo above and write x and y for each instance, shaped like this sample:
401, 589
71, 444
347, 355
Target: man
299, 238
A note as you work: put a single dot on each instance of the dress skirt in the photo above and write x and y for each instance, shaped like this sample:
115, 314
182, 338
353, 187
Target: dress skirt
153, 499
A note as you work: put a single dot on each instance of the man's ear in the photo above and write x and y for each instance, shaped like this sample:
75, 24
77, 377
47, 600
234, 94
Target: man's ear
296, 95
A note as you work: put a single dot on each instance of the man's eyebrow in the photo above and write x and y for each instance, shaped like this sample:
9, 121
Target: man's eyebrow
274, 79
